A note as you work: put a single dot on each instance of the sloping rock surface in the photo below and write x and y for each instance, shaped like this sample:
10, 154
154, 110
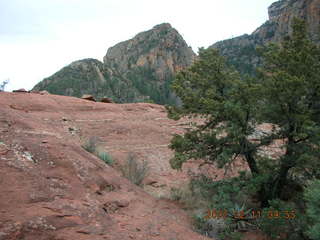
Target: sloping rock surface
52, 189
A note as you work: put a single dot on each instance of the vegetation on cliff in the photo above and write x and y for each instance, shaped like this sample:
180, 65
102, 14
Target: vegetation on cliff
241, 52
285, 94
142, 68
137, 70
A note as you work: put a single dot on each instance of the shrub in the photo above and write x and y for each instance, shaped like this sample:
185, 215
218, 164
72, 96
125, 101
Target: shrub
104, 156
312, 196
184, 195
223, 194
3, 85
283, 220
212, 227
91, 144
236, 196
133, 170
229, 198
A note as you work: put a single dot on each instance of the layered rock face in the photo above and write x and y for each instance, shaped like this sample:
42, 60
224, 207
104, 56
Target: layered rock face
139, 69
281, 13
161, 49
241, 51
150, 60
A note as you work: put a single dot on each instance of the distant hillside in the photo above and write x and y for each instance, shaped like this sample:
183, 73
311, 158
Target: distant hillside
142, 68
241, 51
76, 78
139, 69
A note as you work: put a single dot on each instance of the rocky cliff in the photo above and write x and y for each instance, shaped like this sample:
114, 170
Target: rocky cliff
241, 51
139, 69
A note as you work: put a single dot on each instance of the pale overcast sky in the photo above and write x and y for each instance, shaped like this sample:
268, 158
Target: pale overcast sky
39, 37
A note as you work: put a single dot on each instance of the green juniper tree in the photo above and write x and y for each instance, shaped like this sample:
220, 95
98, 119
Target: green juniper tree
286, 95
291, 88
213, 91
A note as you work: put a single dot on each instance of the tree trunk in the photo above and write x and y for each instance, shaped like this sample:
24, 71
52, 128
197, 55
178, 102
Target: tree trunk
274, 187
252, 163
248, 154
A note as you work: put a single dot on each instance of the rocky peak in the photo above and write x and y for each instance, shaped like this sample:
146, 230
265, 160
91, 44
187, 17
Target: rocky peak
139, 69
240, 51
161, 49
85, 63
275, 9
163, 26
281, 15
149, 61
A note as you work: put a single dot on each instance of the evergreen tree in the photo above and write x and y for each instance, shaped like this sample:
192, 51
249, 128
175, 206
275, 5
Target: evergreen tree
3, 85
291, 87
228, 105
286, 95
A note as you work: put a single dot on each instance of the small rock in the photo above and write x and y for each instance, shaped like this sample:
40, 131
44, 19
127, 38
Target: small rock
21, 90
151, 182
44, 92
106, 100
83, 232
122, 203
72, 130
44, 141
35, 91
88, 97
157, 185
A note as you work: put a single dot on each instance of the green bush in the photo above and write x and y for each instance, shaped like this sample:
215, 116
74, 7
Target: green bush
133, 170
188, 197
312, 197
283, 219
204, 194
223, 194
209, 227
104, 156
236, 196
91, 145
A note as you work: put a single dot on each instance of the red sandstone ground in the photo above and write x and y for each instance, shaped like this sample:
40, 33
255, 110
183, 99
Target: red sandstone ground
51, 188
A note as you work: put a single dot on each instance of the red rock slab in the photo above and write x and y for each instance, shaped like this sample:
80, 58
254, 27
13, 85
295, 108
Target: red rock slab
51, 188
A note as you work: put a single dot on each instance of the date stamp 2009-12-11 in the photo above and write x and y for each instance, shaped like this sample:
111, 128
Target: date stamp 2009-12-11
253, 214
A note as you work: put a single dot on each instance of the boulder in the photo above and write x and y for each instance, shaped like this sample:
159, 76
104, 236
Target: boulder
88, 97
44, 92
21, 90
106, 100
